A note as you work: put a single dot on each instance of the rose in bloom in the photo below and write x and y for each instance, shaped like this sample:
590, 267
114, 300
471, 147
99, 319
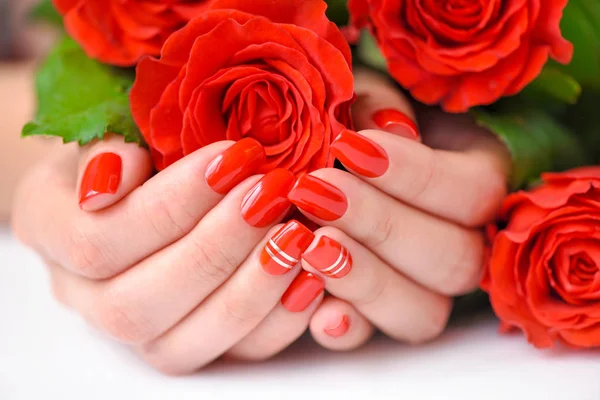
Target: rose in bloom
544, 269
276, 71
120, 32
464, 53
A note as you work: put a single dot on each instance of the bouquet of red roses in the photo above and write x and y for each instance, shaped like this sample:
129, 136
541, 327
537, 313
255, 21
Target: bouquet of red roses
178, 75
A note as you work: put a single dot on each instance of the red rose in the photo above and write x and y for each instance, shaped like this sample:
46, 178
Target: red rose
120, 32
464, 53
544, 269
277, 71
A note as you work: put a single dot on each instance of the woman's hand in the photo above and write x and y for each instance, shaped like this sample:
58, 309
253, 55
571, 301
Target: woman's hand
408, 215
170, 267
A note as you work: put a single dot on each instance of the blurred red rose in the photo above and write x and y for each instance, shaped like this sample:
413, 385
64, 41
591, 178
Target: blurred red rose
464, 53
120, 32
543, 275
279, 72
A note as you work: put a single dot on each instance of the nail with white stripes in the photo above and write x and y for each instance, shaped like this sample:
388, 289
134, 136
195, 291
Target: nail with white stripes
329, 258
282, 252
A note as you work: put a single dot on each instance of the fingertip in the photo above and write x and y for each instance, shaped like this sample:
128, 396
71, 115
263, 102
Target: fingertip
337, 326
110, 170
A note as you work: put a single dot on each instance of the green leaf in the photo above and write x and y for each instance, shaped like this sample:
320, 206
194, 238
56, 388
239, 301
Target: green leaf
80, 99
369, 53
552, 85
337, 11
581, 25
536, 141
45, 11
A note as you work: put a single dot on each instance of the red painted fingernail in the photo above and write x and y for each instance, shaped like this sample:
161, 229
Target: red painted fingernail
330, 258
102, 176
397, 122
340, 328
302, 292
282, 252
319, 198
267, 201
235, 164
360, 154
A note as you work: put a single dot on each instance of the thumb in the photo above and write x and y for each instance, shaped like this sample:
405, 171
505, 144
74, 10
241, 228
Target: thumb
380, 105
109, 170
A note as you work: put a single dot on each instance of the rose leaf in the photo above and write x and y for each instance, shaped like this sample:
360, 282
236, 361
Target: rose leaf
369, 53
536, 141
551, 85
581, 26
80, 99
45, 11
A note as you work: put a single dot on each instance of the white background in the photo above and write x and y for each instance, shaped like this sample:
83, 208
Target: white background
46, 352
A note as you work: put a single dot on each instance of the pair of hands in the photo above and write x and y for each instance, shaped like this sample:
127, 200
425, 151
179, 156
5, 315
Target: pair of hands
171, 267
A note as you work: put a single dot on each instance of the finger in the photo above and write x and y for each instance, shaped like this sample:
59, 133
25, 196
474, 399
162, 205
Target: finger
275, 333
471, 170
440, 255
109, 170
380, 105
103, 244
227, 316
162, 289
401, 308
338, 326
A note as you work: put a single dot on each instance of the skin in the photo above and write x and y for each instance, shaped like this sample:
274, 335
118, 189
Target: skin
181, 295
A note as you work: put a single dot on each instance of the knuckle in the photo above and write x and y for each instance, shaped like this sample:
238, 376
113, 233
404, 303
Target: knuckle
212, 262
88, 254
163, 361
168, 217
424, 180
462, 275
240, 311
373, 294
434, 324
383, 229
485, 206
116, 316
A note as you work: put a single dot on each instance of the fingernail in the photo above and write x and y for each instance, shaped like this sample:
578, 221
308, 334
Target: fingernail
267, 201
330, 258
340, 328
318, 198
396, 122
102, 176
302, 292
234, 165
360, 154
282, 252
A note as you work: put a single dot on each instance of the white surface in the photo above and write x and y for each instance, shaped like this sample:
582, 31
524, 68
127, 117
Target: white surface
48, 353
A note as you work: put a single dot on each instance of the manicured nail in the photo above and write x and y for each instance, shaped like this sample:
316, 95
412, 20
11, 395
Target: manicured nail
302, 292
235, 164
360, 154
340, 328
319, 198
397, 122
267, 201
330, 258
102, 176
282, 252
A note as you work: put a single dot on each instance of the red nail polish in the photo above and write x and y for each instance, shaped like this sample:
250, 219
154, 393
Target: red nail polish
340, 328
302, 292
267, 201
397, 122
102, 176
360, 154
330, 258
240, 161
319, 198
282, 252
